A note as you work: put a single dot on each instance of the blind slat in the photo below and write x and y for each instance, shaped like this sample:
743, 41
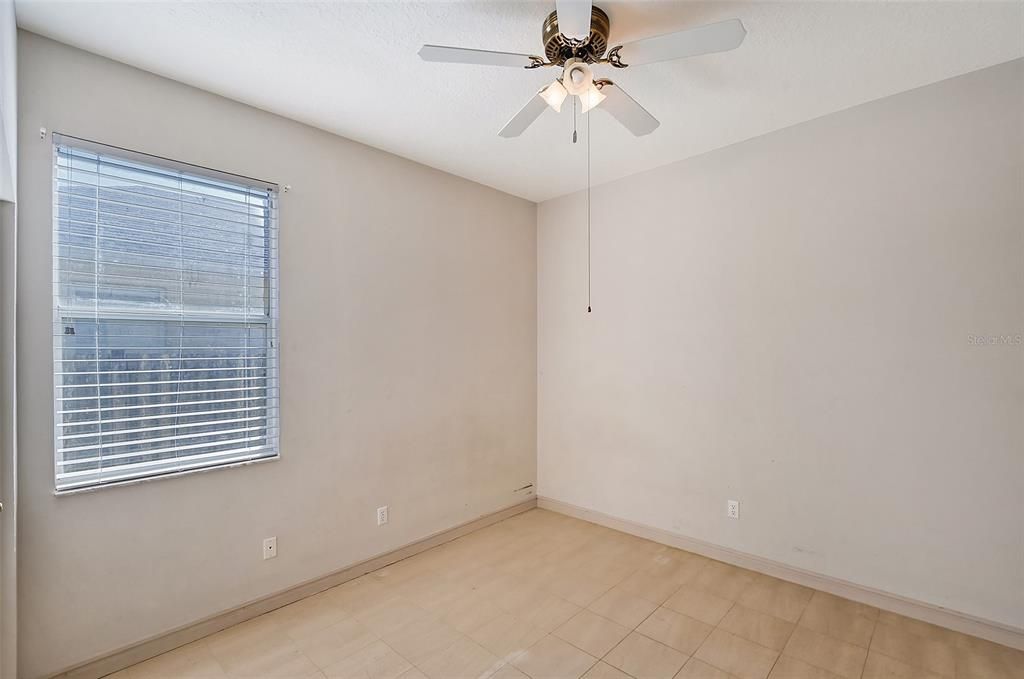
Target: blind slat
157, 439
163, 239
164, 416
69, 225
144, 406
165, 370
146, 383
101, 254
158, 393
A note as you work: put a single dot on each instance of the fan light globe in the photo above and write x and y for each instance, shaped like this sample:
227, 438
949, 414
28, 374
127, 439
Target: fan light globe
554, 94
591, 97
577, 76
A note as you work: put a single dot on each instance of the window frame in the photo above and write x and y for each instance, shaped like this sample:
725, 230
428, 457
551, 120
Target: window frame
272, 411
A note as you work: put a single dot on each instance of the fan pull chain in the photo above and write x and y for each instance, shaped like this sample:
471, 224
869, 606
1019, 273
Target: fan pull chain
588, 213
573, 120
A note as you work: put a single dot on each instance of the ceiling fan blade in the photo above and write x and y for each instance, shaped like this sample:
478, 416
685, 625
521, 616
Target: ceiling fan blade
463, 55
719, 37
624, 108
573, 18
524, 118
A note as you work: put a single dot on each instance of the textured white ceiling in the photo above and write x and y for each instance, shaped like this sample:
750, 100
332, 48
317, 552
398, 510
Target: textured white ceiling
351, 68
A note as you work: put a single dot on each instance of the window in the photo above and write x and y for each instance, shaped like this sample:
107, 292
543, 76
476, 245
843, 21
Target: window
165, 317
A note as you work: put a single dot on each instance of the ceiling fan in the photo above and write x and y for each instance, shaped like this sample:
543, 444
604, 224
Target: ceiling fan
575, 37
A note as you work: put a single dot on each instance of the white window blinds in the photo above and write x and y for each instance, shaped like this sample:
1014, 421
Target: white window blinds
165, 317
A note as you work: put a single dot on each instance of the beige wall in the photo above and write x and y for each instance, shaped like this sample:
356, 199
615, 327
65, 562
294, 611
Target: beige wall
787, 322
408, 329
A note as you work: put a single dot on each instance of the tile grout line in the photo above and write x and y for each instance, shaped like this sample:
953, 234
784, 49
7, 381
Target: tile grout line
736, 603
874, 626
790, 636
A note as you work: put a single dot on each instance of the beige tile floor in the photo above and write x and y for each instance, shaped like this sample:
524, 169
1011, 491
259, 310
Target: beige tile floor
546, 596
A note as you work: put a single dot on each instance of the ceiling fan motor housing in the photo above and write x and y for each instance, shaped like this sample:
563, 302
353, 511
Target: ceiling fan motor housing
558, 48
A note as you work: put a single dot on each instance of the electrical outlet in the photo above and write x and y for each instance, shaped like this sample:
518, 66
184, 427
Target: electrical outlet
270, 548
732, 509
382, 515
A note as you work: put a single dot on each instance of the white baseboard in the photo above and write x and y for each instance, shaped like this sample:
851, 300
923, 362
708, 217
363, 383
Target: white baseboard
919, 610
152, 647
